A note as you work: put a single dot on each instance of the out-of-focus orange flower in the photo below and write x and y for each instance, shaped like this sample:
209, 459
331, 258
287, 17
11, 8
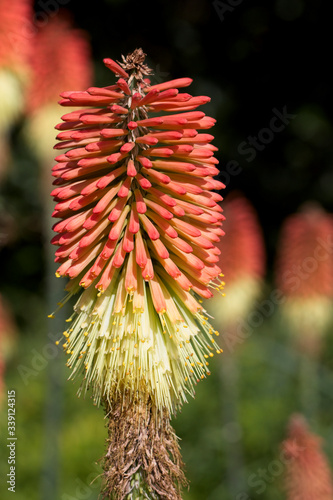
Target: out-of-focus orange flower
243, 256
304, 271
15, 47
308, 475
61, 60
15, 20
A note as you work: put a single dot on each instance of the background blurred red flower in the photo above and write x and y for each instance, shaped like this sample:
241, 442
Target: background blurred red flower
308, 475
61, 60
243, 257
304, 273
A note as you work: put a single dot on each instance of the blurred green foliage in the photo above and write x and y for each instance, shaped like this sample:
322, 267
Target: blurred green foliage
269, 394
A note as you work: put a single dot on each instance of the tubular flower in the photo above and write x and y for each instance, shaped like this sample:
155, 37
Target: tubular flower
243, 255
138, 232
305, 271
15, 44
71, 67
308, 473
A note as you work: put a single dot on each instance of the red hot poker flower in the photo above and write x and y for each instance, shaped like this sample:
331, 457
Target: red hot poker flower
305, 272
139, 225
308, 473
60, 60
15, 34
243, 256
15, 45
243, 247
305, 266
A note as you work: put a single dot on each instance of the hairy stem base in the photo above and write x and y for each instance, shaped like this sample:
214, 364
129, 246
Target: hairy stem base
143, 458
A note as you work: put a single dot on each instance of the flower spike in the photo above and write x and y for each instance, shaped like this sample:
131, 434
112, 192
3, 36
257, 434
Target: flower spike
139, 222
141, 195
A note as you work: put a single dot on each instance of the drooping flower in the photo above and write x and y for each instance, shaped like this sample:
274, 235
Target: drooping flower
304, 273
308, 475
243, 257
139, 225
60, 60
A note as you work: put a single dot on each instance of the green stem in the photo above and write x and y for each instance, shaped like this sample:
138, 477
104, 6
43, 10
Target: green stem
233, 447
139, 489
308, 387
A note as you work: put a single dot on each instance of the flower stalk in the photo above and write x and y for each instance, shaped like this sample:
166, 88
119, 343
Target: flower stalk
137, 429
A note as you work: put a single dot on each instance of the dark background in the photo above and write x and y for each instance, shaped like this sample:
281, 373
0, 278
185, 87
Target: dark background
250, 59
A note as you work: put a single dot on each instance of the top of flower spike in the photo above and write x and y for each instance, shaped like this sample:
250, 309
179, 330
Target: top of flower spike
134, 63
170, 190
140, 222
